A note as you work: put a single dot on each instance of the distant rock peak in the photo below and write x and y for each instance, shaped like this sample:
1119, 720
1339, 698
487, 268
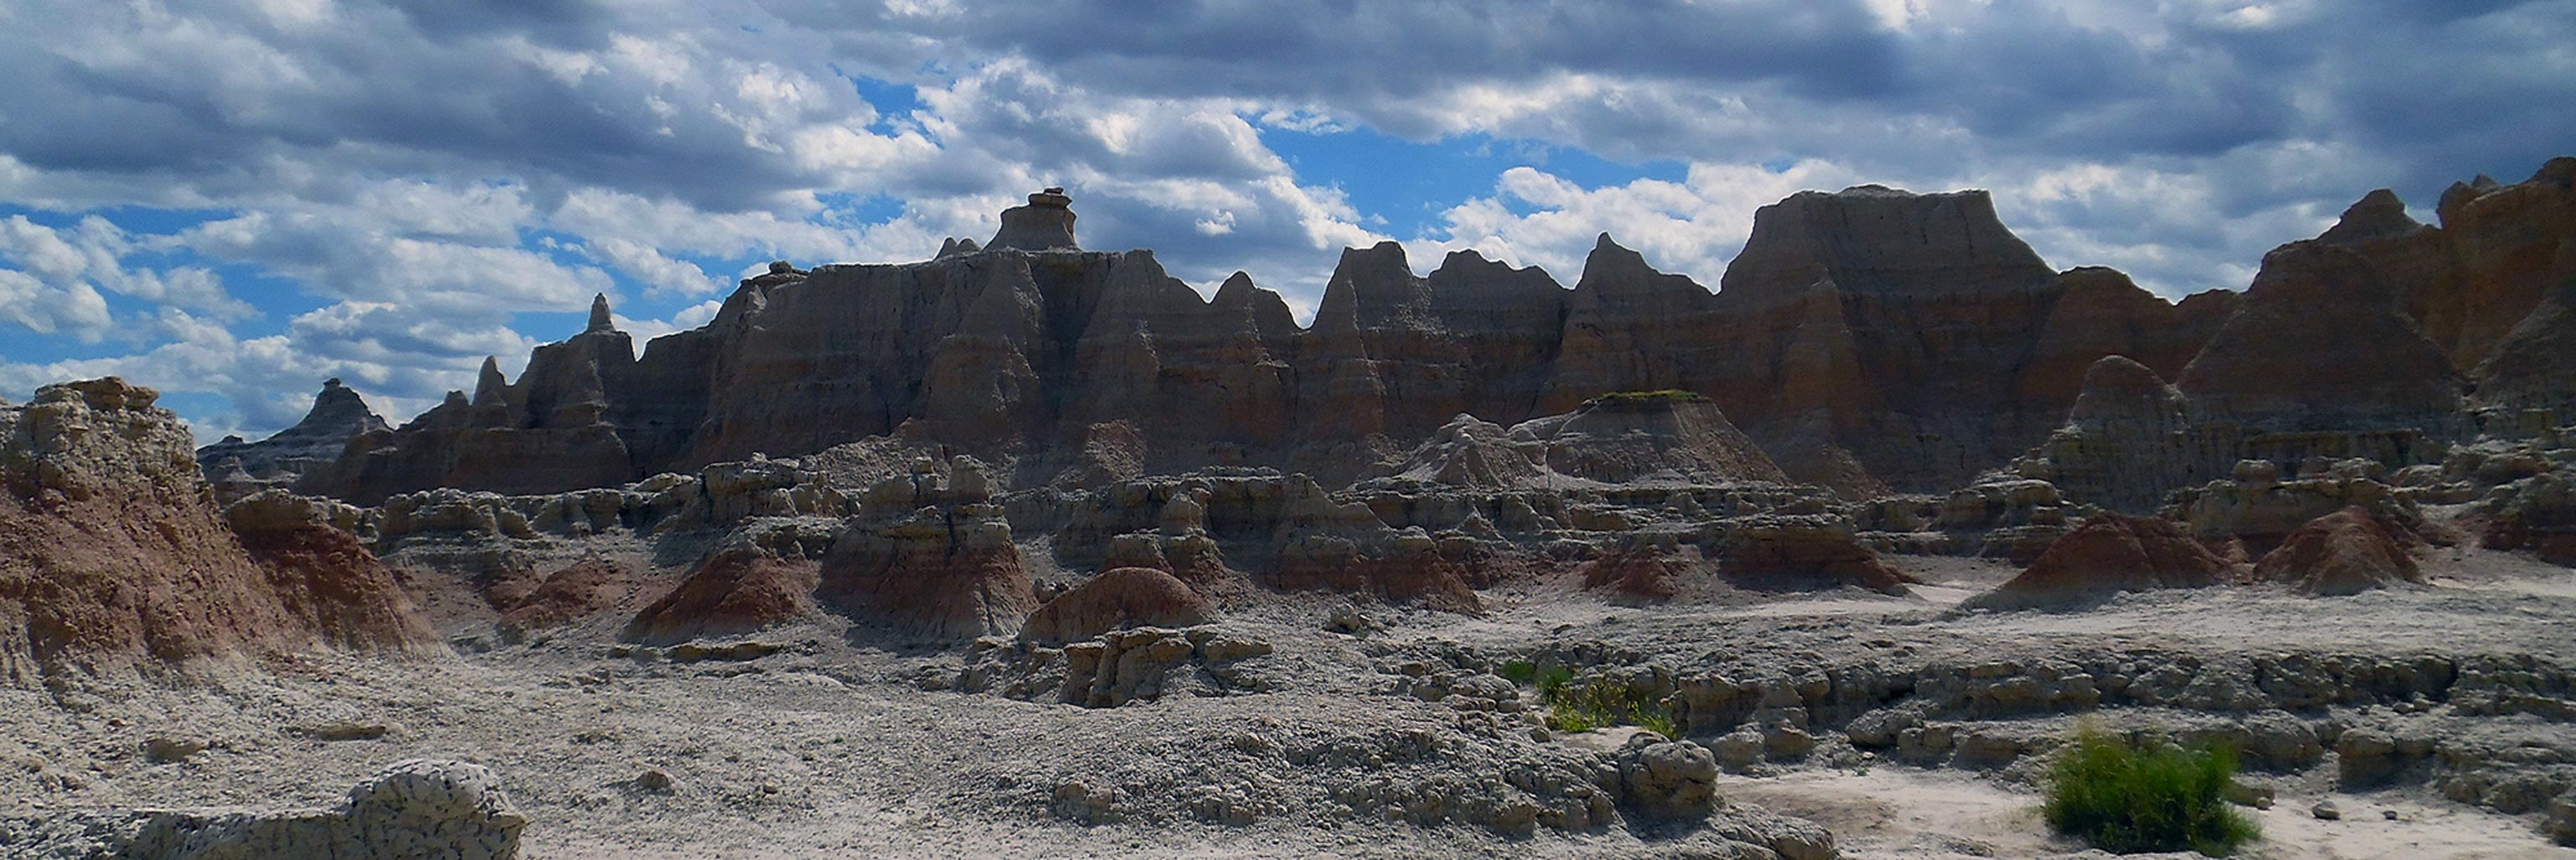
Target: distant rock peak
1045, 224
599, 318
2376, 216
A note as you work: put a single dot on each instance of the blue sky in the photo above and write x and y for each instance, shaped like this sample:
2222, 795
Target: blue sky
231, 202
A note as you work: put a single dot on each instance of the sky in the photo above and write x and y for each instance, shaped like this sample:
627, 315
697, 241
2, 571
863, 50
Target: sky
231, 201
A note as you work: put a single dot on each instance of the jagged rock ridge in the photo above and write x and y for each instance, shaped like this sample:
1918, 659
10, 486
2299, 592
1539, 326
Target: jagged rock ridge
1866, 339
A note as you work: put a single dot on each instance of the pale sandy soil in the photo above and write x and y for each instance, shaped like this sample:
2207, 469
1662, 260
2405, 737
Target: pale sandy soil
831, 749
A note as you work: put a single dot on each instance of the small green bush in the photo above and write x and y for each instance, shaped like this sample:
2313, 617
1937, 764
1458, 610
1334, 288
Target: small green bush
1599, 703
1643, 396
1520, 672
2127, 801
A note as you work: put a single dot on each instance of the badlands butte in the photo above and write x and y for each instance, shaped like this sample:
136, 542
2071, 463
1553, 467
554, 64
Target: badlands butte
1029, 550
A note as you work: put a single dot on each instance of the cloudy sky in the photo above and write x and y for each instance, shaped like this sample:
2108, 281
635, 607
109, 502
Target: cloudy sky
232, 200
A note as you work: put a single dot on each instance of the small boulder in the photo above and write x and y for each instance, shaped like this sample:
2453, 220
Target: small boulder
1668, 780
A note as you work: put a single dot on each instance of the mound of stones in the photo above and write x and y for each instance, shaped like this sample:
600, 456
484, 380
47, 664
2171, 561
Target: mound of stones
418, 809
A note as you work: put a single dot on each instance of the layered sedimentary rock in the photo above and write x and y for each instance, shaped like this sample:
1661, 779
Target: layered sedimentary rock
1661, 438
2383, 338
737, 590
2322, 343
1117, 599
1867, 339
2108, 554
338, 415
552, 430
929, 557
2345, 552
113, 556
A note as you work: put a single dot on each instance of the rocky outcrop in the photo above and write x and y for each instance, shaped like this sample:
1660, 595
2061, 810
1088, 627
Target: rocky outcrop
737, 590
1647, 438
2258, 508
323, 573
1115, 600
2345, 552
2322, 343
563, 596
929, 557
2527, 371
2500, 249
338, 415
1798, 552
1046, 224
1870, 338
114, 559
416, 809
552, 430
2109, 553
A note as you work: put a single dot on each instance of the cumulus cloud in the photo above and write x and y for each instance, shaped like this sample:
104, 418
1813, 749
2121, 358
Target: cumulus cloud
246, 197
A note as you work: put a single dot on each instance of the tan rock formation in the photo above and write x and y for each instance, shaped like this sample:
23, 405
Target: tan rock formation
567, 595
2321, 343
928, 557
324, 574
1046, 224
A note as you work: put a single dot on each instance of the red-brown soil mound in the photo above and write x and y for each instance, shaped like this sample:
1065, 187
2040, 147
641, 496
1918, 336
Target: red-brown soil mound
2345, 552
1116, 600
738, 590
2110, 553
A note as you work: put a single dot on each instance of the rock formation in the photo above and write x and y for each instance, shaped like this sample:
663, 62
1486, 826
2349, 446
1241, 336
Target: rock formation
1867, 339
737, 590
563, 596
1115, 600
338, 415
416, 809
2322, 343
929, 557
323, 573
113, 557
1046, 224
2345, 552
1794, 551
2110, 553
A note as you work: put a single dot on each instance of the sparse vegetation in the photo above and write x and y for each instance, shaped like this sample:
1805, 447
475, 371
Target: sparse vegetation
1600, 702
1647, 396
2128, 800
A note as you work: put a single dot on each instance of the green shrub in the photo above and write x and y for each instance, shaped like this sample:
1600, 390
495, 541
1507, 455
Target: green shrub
2126, 800
1644, 396
1520, 672
1599, 703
